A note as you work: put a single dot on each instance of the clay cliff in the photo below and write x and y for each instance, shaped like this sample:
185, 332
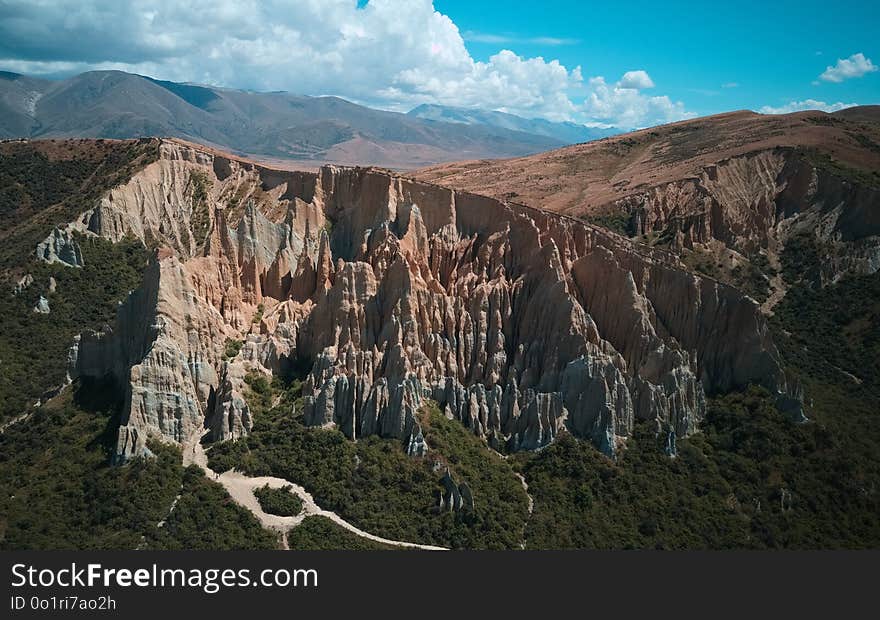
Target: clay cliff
389, 291
736, 186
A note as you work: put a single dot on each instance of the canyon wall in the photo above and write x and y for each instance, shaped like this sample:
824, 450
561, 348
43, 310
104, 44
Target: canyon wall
519, 323
759, 201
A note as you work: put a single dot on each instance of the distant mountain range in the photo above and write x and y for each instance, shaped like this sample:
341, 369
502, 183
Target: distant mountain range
568, 133
277, 125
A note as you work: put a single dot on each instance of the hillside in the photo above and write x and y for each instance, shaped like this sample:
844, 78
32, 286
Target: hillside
587, 179
512, 377
728, 193
567, 132
307, 130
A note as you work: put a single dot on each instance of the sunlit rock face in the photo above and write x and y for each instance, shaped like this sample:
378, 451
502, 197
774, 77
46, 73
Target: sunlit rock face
517, 322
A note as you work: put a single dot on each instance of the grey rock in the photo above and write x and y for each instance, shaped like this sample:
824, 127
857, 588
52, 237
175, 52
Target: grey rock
60, 247
42, 306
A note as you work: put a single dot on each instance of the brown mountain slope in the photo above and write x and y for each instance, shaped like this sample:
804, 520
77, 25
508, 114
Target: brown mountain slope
279, 125
729, 193
583, 179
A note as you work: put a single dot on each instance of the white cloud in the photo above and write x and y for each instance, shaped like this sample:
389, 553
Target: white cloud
854, 66
628, 107
390, 53
636, 79
730, 85
806, 104
505, 39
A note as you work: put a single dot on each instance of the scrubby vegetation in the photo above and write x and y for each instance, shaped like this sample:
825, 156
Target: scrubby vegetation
58, 490
621, 223
752, 479
321, 534
231, 348
801, 259
48, 183
205, 518
751, 277
33, 346
372, 482
281, 502
837, 327
824, 161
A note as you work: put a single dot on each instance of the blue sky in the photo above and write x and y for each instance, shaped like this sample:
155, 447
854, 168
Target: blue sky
693, 51
628, 64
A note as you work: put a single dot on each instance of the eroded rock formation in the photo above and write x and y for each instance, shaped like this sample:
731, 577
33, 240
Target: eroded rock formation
759, 201
732, 194
517, 322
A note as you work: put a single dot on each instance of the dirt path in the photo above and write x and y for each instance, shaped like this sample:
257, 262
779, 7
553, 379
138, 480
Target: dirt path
525, 486
15, 420
778, 289
241, 488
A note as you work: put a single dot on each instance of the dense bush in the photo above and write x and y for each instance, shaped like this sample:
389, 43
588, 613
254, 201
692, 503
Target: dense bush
33, 346
621, 223
372, 482
281, 502
58, 490
837, 327
317, 533
752, 479
206, 518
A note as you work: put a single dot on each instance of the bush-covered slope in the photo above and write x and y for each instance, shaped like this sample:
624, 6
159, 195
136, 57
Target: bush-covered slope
58, 490
34, 346
43, 185
751, 478
372, 482
321, 534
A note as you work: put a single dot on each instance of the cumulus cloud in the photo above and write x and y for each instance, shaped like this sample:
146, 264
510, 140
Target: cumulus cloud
806, 104
388, 53
636, 79
853, 67
628, 107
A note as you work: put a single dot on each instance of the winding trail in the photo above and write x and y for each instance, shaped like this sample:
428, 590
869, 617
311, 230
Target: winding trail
525, 486
241, 488
778, 289
19, 418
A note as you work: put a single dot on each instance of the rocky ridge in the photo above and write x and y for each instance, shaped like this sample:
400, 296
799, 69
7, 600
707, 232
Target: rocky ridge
519, 323
738, 187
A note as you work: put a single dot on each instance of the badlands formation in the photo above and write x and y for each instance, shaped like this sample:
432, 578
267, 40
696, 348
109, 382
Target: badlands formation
382, 292
738, 184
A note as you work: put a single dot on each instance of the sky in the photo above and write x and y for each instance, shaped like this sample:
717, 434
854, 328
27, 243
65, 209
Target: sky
629, 65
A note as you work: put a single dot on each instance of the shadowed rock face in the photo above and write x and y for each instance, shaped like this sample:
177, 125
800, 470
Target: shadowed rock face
518, 322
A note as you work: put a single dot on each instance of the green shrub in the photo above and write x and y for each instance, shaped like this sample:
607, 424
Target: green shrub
281, 502
232, 348
205, 518
317, 533
372, 483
